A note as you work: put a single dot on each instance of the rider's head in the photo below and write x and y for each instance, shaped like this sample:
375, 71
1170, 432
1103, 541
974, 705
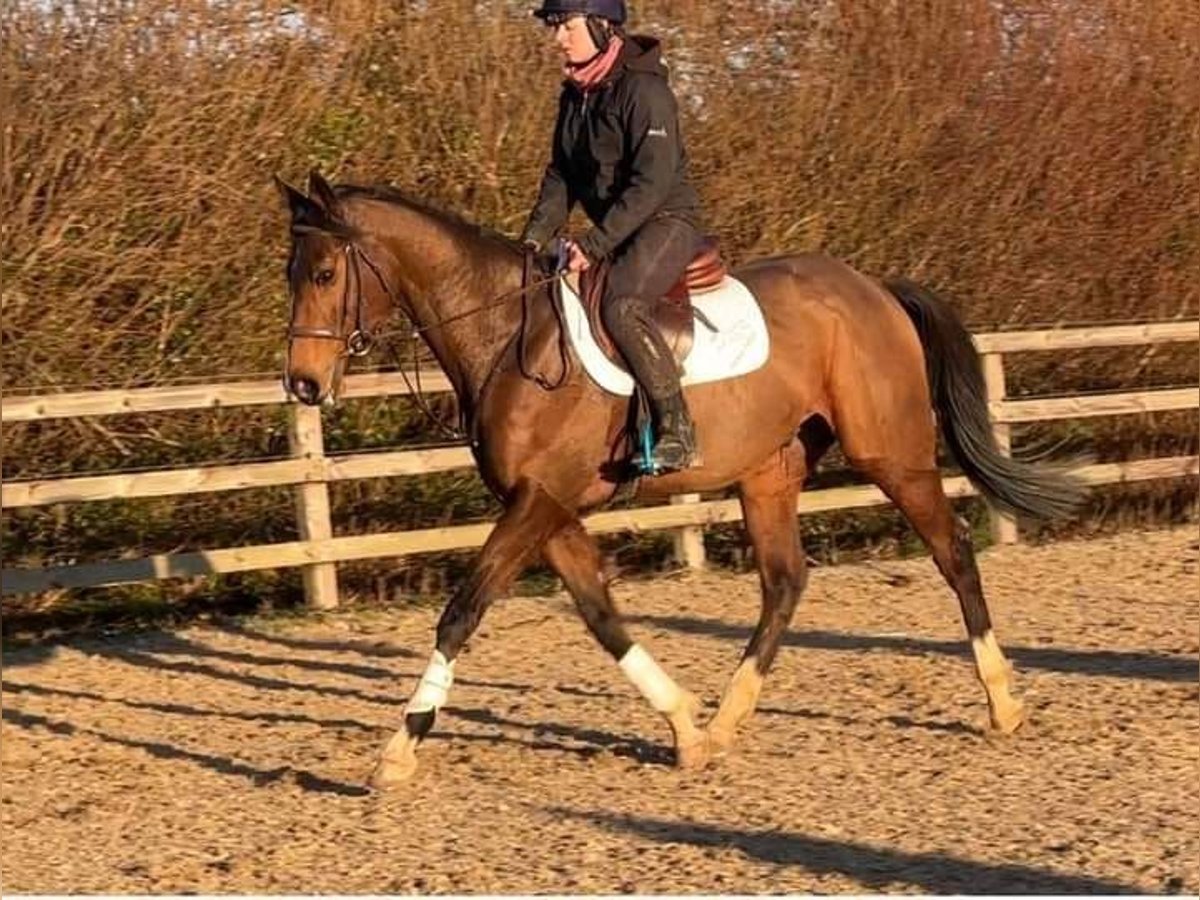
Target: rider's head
582, 28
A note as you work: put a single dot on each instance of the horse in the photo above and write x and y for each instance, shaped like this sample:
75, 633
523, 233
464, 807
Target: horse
852, 359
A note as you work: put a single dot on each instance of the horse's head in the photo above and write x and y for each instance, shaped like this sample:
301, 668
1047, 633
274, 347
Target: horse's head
337, 301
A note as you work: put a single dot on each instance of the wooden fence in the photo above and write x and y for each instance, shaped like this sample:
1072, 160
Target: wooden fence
311, 470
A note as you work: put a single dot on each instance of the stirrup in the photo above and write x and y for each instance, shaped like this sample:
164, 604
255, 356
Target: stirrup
670, 454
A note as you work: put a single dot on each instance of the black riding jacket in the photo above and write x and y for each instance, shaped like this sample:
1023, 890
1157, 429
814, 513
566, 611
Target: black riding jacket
618, 152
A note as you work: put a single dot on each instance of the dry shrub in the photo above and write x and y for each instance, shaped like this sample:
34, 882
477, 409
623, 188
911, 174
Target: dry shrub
1038, 160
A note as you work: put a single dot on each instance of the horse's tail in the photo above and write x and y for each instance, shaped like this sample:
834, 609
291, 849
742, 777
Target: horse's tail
959, 396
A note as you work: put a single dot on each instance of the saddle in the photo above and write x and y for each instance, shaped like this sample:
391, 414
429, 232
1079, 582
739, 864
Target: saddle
673, 313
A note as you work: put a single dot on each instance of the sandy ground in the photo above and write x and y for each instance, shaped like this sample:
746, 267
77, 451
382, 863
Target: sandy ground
232, 758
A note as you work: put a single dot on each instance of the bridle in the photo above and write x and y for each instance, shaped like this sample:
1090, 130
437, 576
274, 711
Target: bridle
360, 340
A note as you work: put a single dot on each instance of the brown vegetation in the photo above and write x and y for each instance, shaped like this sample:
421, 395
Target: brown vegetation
1039, 160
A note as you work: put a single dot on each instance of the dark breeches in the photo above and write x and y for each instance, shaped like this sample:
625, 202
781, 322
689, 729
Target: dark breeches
643, 269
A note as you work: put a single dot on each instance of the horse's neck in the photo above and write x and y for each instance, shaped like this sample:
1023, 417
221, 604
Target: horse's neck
456, 278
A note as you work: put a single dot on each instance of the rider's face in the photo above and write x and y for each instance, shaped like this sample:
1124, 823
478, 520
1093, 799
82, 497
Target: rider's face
574, 39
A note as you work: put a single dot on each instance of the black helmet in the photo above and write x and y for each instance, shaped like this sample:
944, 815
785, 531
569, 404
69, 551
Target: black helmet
612, 10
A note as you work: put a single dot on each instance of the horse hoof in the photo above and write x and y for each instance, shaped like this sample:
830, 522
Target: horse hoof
393, 770
720, 742
693, 756
1008, 718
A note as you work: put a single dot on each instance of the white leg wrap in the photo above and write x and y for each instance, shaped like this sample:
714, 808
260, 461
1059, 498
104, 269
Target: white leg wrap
435, 684
653, 683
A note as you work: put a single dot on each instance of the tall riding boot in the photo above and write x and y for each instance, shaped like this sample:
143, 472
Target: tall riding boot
675, 448
653, 366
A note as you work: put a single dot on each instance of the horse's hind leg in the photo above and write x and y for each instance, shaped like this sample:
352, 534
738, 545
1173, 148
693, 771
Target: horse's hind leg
919, 495
531, 518
574, 555
769, 507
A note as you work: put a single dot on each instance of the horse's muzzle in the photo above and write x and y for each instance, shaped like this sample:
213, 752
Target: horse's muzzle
306, 390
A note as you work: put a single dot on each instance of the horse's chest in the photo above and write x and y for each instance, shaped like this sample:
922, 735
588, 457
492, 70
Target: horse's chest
560, 438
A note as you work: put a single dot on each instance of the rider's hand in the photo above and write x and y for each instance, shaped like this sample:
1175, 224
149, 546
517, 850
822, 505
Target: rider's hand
576, 259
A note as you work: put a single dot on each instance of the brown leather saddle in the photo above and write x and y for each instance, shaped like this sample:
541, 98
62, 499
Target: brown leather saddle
673, 314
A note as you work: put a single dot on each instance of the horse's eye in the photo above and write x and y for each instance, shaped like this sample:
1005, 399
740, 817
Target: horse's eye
323, 277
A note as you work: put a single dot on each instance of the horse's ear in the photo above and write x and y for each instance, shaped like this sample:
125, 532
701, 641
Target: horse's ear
301, 207
321, 192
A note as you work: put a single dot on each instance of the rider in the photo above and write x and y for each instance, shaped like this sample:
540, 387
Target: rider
618, 151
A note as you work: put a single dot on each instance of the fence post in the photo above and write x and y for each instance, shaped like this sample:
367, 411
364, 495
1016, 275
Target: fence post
312, 504
689, 540
1004, 527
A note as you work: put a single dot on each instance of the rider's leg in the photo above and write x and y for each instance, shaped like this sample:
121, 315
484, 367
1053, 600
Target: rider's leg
643, 269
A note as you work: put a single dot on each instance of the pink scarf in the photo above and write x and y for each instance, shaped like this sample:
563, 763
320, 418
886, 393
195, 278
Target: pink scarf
589, 74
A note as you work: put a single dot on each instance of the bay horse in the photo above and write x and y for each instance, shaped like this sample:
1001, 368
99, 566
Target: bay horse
851, 358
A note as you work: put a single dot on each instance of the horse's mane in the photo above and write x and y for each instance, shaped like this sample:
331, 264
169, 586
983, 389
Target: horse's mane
460, 225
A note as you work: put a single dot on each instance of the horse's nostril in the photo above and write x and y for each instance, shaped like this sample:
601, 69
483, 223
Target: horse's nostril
306, 390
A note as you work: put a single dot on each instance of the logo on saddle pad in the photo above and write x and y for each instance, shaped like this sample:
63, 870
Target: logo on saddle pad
736, 344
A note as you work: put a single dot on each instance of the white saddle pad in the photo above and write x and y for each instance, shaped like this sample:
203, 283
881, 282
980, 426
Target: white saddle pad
739, 345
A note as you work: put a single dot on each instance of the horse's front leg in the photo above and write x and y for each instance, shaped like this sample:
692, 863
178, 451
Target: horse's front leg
574, 555
530, 519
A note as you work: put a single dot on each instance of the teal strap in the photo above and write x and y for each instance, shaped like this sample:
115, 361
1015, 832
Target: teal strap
649, 465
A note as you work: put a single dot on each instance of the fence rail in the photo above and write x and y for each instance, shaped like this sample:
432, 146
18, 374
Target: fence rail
311, 470
379, 384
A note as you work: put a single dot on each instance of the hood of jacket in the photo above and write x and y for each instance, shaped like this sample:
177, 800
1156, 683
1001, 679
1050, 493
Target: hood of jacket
643, 54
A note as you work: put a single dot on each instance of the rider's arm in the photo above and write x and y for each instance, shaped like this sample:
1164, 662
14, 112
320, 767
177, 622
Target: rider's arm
655, 148
554, 200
